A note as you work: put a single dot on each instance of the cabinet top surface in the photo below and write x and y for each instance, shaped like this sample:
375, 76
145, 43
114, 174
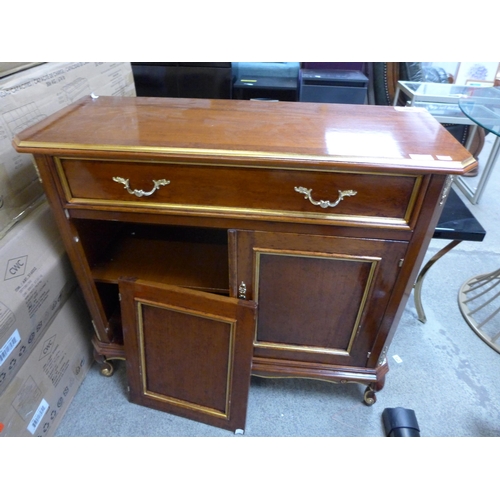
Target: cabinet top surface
276, 132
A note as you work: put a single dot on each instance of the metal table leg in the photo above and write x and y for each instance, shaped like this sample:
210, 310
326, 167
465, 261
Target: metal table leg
479, 302
417, 289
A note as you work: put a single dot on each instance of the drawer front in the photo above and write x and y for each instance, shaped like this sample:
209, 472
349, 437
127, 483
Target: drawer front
238, 191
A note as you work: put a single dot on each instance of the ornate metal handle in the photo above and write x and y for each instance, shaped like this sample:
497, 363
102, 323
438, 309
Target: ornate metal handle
139, 192
322, 203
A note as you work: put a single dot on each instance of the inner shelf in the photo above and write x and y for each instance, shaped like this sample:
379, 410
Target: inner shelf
167, 257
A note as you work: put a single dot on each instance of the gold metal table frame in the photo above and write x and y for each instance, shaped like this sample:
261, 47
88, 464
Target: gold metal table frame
479, 302
479, 297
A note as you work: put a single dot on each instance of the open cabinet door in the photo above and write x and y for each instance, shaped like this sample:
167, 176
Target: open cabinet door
188, 353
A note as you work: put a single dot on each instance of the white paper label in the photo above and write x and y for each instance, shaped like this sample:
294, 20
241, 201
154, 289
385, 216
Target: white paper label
9, 346
39, 414
422, 157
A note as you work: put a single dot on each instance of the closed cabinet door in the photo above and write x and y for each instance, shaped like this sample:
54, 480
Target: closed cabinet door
188, 352
320, 299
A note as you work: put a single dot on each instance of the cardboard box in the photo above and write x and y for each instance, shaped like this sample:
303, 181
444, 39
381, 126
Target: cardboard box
37, 398
36, 279
35, 93
9, 68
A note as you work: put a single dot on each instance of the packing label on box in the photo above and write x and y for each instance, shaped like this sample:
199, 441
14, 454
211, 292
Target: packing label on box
9, 346
39, 414
34, 289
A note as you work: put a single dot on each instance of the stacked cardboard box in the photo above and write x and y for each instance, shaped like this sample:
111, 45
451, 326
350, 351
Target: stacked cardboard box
44, 335
36, 279
30, 95
36, 400
45, 328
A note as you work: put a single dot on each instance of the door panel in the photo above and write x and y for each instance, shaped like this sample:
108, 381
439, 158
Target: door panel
298, 287
188, 352
320, 299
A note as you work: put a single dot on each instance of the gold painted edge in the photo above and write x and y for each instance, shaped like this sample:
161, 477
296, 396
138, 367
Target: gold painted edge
300, 348
64, 180
218, 211
413, 198
375, 261
172, 400
292, 168
446, 164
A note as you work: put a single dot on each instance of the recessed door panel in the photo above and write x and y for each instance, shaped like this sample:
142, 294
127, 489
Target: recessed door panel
316, 300
188, 352
197, 351
320, 299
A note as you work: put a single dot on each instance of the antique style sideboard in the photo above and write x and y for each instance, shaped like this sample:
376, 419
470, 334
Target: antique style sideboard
214, 240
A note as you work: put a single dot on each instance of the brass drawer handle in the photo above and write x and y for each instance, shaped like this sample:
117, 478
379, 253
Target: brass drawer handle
323, 203
139, 192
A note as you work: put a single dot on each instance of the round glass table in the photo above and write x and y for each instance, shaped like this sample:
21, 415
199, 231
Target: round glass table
479, 296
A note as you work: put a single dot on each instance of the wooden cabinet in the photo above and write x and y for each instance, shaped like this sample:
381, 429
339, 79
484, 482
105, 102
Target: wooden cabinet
274, 239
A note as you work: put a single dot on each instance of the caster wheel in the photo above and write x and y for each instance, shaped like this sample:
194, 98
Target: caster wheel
107, 369
369, 397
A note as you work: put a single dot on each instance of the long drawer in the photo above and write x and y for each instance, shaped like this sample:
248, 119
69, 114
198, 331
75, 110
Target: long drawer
240, 191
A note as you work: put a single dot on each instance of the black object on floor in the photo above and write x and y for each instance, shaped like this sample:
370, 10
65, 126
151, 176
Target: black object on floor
400, 422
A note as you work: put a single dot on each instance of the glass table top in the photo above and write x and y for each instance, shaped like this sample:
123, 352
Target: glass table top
440, 92
444, 112
482, 106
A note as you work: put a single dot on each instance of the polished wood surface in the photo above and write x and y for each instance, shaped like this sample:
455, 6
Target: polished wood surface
293, 133
329, 269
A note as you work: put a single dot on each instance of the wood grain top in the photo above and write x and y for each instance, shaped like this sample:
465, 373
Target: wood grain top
255, 131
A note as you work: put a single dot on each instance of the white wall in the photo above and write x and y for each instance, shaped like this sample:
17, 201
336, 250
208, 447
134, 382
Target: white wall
471, 72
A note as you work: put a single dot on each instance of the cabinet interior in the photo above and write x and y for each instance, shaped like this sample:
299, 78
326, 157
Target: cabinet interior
195, 258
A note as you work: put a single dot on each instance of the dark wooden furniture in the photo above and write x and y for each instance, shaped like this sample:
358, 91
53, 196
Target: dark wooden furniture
207, 80
275, 239
266, 88
335, 86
